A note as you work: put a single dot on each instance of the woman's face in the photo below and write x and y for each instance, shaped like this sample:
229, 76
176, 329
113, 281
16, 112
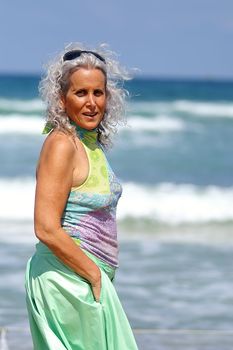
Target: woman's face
85, 100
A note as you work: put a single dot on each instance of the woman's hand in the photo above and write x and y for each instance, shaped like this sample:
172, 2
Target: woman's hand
96, 286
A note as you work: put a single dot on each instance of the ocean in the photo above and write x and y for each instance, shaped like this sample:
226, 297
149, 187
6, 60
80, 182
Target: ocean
175, 217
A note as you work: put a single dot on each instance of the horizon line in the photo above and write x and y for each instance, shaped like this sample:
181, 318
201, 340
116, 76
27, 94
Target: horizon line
146, 76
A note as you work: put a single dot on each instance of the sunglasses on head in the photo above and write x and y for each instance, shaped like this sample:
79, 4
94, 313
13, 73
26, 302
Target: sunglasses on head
71, 55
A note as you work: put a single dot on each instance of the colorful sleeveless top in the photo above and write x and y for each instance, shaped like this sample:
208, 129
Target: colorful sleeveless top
90, 212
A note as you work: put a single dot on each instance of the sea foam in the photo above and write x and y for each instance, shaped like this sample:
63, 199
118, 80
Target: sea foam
206, 109
183, 107
165, 202
18, 124
176, 204
161, 123
22, 106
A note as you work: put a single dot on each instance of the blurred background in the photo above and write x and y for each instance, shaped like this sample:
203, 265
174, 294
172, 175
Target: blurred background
174, 159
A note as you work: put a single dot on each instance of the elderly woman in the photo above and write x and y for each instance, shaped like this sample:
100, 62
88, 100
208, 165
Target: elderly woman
72, 303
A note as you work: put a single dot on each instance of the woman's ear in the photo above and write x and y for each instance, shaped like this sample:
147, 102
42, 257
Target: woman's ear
62, 102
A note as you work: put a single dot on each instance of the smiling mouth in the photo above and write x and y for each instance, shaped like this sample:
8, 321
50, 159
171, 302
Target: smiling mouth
90, 114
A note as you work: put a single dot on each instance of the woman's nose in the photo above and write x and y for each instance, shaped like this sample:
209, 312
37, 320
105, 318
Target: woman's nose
91, 100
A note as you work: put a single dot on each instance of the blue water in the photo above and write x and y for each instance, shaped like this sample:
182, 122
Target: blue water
145, 89
175, 217
167, 90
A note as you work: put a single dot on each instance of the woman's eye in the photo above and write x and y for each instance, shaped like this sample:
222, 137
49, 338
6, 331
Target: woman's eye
80, 93
98, 92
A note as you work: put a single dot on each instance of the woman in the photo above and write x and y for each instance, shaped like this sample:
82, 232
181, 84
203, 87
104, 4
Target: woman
71, 301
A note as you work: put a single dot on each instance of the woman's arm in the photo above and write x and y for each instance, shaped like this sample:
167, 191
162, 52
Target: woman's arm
54, 180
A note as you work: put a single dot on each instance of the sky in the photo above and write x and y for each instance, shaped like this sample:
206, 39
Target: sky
161, 38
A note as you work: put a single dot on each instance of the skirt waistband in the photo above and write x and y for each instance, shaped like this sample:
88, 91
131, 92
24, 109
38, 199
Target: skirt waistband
42, 248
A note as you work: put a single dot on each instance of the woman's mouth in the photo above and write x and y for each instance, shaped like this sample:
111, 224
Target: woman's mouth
91, 115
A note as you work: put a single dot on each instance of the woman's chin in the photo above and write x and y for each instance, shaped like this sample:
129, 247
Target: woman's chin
88, 123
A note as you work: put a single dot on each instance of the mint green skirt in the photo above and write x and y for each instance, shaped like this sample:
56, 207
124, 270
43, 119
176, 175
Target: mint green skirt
63, 313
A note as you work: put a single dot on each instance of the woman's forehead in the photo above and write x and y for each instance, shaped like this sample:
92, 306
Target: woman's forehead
86, 76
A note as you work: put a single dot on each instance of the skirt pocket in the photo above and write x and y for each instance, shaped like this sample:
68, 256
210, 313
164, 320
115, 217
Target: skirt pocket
63, 313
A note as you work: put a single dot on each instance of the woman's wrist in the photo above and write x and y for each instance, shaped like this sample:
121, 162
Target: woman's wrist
95, 276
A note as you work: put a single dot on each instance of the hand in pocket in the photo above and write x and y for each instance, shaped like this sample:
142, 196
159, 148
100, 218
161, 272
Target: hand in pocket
96, 289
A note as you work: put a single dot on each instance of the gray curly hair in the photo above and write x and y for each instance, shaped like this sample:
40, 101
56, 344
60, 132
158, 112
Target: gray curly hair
56, 82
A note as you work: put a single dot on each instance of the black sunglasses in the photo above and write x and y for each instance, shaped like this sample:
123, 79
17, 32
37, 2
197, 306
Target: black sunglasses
71, 55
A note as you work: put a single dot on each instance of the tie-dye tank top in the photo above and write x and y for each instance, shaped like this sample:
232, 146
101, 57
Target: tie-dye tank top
90, 213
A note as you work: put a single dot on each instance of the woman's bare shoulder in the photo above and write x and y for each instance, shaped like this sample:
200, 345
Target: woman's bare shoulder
58, 141
58, 147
